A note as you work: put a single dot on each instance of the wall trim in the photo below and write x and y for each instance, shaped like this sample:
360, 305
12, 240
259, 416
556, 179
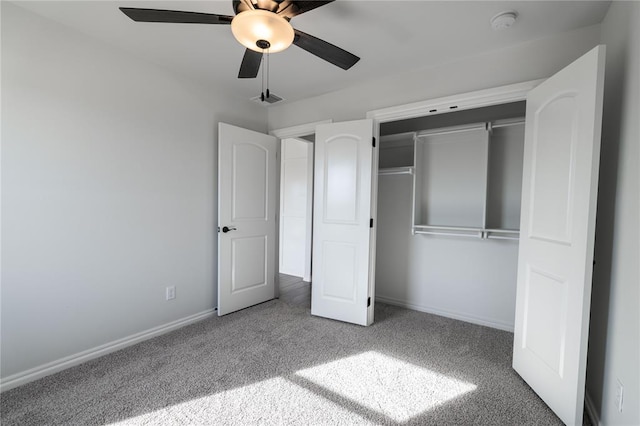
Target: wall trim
49, 368
590, 408
480, 98
448, 314
298, 131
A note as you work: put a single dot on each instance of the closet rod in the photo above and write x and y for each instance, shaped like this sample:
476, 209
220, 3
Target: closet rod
451, 228
397, 137
497, 125
468, 128
503, 231
446, 234
499, 237
395, 171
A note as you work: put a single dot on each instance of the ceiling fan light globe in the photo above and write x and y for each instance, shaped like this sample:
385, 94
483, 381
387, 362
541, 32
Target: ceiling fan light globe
253, 25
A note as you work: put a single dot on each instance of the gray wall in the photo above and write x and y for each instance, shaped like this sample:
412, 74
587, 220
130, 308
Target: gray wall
614, 338
109, 193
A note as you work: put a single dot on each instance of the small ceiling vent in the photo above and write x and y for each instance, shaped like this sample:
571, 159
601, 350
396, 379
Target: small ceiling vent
272, 99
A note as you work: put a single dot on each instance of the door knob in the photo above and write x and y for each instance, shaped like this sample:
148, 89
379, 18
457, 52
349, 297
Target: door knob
226, 229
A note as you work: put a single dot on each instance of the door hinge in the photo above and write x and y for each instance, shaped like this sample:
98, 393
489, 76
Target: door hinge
373, 141
371, 223
368, 302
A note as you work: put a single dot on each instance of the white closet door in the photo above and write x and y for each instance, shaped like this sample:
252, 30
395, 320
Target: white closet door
247, 218
342, 235
561, 157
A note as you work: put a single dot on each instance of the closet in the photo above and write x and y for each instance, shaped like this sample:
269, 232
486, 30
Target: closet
449, 189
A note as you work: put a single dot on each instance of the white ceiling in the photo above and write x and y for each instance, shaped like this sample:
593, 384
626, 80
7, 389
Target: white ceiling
389, 36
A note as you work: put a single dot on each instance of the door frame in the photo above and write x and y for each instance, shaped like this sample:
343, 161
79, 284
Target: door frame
284, 133
298, 131
464, 101
470, 100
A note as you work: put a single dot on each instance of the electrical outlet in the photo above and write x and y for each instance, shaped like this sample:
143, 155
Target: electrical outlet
171, 292
619, 395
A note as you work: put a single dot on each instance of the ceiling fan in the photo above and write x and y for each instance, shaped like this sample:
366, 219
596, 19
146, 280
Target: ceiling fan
262, 26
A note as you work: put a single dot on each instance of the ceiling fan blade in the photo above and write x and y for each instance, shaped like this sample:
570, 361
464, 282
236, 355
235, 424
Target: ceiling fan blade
250, 64
293, 8
325, 50
174, 16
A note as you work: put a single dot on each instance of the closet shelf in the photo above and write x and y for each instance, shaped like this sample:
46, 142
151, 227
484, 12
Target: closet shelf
449, 228
472, 168
466, 231
408, 170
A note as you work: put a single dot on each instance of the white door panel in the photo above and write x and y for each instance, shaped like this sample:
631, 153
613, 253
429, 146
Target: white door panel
250, 169
246, 206
340, 181
342, 211
248, 251
561, 157
553, 156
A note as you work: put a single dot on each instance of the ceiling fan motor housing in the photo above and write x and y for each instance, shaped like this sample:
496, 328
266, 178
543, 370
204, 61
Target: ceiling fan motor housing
270, 5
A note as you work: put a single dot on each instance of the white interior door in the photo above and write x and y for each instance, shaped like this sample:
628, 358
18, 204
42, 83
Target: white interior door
562, 148
246, 218
342, 235
296, 176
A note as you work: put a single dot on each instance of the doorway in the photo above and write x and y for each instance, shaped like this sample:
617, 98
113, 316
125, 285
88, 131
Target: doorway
296, 289
295, 219
449, 192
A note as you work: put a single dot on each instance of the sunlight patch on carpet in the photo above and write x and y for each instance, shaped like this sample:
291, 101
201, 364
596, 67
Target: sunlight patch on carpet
384, 384
272, 401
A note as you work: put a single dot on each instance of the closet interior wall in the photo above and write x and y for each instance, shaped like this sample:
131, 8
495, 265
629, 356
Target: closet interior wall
448, 213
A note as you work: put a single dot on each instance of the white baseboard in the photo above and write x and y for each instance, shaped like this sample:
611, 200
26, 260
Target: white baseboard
448, 314
49, 368
592, 413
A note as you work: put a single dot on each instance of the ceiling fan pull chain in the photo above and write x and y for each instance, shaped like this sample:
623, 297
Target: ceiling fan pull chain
264, 62
268, 62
